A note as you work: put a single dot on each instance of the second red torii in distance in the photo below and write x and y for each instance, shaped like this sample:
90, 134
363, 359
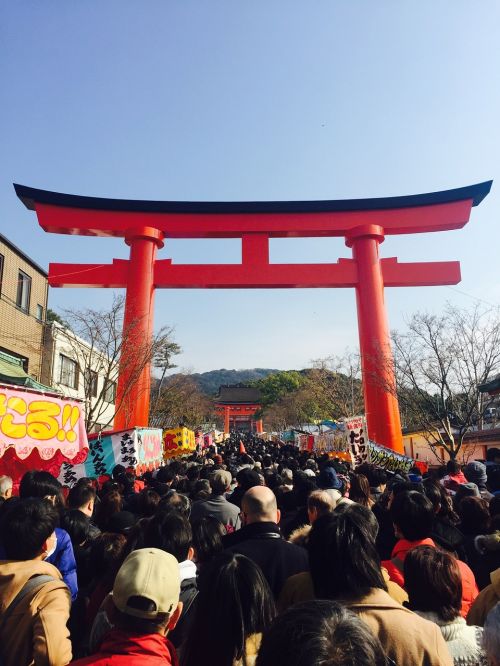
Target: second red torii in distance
363, 223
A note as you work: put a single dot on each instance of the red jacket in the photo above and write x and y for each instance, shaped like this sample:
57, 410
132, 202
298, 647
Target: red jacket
395, 568
120, 648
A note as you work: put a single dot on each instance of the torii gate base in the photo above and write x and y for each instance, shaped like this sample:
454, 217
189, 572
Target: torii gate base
363, 223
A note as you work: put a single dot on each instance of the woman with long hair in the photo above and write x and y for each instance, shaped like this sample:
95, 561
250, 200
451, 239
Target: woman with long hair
345, 567
359, 491
233, 608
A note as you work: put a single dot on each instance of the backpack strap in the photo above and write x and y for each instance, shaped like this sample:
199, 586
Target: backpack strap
31, 585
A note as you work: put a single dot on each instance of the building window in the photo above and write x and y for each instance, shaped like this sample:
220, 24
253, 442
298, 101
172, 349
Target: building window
1, 272
91, 383
23, 291
39, 312
69, 372
110, 391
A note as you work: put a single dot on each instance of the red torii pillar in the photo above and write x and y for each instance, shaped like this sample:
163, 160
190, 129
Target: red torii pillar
363, 223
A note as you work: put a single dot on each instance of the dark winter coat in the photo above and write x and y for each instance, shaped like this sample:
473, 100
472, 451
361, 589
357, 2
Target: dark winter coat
263, 543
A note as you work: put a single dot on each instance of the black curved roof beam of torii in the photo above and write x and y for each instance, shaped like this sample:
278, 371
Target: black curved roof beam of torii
67, 213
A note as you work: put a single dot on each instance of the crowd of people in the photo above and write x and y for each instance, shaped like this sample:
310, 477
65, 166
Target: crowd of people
253, 554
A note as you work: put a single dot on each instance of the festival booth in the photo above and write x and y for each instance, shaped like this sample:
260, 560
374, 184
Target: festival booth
178, 442
138, 448
347, 441
39, 430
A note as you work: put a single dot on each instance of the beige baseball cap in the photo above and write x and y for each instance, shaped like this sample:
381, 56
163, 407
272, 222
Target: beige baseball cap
150, 573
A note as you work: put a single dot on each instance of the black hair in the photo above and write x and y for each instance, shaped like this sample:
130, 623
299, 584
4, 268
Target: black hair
80, 495
147, 502
131, 624
413, 514
234, 601
77, 525
170, 531
165, 475
453, 467
174, 501
492, 453
25, 526
474, 516
433, 582
320, 633
207, 538
118, 470
106, 555
343, 558
41, 484
441, 501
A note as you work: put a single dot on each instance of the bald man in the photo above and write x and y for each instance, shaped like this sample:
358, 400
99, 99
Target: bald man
260, 539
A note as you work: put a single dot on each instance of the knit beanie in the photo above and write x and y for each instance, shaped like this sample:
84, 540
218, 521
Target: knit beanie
475, 472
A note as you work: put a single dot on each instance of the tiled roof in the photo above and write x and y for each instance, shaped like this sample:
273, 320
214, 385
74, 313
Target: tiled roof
238, 393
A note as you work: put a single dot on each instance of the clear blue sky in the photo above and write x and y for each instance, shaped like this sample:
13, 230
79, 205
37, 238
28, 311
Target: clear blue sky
269, 99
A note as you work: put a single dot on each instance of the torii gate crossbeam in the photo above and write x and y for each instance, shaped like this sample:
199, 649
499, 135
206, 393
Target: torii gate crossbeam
363, 223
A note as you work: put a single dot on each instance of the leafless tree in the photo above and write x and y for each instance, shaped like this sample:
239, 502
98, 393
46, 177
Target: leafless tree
440, 361
337, 383
96, 339
181, 402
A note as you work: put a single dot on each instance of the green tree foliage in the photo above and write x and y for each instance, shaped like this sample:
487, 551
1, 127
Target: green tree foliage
278, 385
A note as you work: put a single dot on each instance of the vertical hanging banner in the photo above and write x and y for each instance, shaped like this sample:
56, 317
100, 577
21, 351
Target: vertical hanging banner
140, 448
357, 439
30, 420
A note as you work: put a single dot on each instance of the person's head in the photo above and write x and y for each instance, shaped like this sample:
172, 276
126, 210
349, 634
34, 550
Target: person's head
377, 477
474, 515
110, 504
259, 506
360, 490
82, 497
76, 525
28, 529
106, 555
343, 559
433, 582
233, 602
147, 502
328, 480
170, 531
320, 632
493, 455
207, 538
166, 475
491, 636
319, 503
412, 514
118, 470
247, 478
475, 472
42, 485
453, 467
146, 593
5, 487
174, 501
220, 482
287, 476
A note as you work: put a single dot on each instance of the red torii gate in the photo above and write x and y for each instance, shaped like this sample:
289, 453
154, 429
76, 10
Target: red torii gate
364, 223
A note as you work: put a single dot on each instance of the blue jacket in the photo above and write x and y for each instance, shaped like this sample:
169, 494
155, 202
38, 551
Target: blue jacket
64, 559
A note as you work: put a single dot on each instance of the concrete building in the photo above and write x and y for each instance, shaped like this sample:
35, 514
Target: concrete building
23, 307
76, 369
